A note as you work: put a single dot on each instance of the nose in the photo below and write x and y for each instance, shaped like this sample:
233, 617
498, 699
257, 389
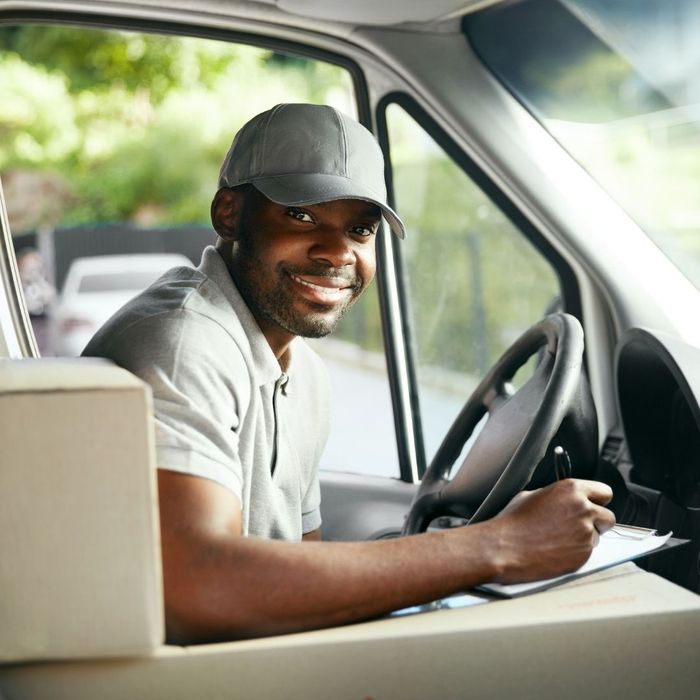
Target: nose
334, 248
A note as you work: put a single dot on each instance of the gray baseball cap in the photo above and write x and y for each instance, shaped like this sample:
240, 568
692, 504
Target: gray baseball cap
308, 154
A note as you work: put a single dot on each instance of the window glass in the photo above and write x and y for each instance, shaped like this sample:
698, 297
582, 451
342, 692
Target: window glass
112, 143
363, 439
115, 282
474, 282
618, 84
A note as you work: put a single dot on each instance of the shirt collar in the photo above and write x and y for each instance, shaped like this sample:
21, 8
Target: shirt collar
265, 365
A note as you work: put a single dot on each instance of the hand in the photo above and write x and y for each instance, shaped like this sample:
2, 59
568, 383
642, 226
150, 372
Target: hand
551, 531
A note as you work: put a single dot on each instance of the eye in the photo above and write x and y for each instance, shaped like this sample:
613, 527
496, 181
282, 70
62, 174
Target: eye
300, 215
364, 231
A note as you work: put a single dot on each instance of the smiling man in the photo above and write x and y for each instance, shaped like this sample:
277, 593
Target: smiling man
241, 405
293, 284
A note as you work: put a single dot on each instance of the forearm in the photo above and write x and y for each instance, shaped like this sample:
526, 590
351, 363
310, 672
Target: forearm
241, 587
220, 585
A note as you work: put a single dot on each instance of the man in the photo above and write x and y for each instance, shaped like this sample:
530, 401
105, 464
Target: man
241, 405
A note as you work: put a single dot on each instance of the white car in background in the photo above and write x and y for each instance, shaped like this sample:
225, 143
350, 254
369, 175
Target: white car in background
95, 288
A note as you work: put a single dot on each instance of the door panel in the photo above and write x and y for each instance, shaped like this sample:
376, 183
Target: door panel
355, 507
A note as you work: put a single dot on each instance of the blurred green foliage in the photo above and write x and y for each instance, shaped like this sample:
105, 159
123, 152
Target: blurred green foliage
136, 125
475, 283
98, 59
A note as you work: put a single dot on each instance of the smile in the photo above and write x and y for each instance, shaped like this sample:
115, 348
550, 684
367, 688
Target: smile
322, 290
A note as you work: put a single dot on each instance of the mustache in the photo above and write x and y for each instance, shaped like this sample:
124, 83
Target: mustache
352, 279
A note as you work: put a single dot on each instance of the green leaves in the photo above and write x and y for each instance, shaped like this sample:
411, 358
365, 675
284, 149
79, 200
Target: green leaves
134, 125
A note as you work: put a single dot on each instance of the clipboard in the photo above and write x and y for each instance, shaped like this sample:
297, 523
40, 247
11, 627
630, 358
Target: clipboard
620, 544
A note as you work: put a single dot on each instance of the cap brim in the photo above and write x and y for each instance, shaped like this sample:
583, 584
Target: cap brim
316, 189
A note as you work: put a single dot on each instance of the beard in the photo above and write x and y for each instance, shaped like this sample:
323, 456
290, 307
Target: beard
270, 294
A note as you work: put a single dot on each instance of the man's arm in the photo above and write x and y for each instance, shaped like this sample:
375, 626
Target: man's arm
219, 585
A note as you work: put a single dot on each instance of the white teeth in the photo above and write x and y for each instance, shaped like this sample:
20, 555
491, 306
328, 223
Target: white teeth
326, 291
309, 284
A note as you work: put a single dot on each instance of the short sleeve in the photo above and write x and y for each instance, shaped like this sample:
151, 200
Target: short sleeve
311, 507
201, 389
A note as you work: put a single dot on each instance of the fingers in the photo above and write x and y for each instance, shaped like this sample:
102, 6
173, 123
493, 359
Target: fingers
574, 503
603, 519
553, 530
595, 491
597, 495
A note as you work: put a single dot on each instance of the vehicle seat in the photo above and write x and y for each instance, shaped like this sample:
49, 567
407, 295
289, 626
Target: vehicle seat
80, 567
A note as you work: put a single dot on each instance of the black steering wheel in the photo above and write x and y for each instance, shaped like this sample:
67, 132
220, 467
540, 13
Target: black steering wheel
520, 427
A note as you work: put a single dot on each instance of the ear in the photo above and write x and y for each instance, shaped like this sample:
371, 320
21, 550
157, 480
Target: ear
226, 209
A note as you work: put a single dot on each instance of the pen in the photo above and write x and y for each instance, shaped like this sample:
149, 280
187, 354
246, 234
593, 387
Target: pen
562, 463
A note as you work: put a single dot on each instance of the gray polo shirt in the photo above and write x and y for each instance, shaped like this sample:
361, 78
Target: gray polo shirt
224, 409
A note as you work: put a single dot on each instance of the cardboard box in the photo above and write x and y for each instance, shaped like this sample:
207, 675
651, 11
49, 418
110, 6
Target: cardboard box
622, 634
80, 563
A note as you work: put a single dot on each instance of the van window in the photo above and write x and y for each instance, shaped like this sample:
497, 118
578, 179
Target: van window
112, 143
473, 281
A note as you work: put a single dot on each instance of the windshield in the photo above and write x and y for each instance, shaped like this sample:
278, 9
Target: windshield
618, 85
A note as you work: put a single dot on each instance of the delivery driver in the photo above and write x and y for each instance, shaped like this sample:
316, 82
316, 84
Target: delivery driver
242, 407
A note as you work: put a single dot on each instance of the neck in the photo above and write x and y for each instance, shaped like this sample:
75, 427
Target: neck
277, 338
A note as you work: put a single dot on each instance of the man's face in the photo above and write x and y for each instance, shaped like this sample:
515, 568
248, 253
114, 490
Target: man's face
300, 268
